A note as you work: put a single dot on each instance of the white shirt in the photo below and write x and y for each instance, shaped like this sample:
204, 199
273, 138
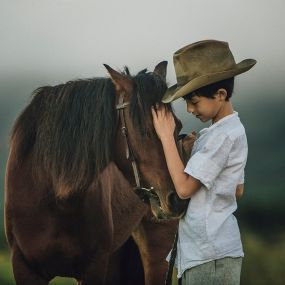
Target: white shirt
209, 230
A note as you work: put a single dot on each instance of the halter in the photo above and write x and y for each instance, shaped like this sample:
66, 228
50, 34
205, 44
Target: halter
143, 192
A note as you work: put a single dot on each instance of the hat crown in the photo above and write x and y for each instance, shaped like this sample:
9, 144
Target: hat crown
202, 58
203, 63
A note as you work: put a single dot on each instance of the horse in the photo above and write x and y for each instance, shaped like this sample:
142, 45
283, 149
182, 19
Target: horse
85, 173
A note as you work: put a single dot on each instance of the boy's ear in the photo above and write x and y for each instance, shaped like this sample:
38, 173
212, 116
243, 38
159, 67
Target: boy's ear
222, 94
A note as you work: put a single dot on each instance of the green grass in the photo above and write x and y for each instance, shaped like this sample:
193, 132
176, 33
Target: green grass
63, 281
264, 259
5, 269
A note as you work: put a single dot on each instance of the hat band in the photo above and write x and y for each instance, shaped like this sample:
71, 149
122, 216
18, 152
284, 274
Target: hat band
183, 79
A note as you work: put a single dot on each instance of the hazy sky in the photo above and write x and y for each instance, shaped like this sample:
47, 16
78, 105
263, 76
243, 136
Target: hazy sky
75, 37
50, 41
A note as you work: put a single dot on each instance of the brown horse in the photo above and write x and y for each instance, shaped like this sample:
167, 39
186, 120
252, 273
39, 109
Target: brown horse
77, 152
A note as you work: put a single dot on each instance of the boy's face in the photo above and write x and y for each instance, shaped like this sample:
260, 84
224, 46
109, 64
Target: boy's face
204, 108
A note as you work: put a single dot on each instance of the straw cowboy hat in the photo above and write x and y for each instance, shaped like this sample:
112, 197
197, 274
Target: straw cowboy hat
203, 63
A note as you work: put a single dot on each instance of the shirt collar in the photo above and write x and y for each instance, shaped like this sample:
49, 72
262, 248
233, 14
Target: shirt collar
221, 122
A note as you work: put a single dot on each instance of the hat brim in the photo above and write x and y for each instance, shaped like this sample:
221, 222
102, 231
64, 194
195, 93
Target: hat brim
175, 92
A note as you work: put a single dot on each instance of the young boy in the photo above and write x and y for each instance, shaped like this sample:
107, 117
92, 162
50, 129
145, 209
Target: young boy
209, 249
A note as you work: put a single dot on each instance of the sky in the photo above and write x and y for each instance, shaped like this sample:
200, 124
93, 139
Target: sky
47, 42
73, 38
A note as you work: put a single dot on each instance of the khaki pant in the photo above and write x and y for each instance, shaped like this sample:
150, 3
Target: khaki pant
224, 271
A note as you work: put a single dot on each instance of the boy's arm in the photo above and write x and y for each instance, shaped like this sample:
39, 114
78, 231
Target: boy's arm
185, 184
239, 190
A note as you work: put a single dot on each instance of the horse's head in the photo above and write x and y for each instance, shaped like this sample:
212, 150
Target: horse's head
138, 151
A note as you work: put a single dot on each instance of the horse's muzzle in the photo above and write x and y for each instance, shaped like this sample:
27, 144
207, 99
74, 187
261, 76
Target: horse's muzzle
177, 207
173, 208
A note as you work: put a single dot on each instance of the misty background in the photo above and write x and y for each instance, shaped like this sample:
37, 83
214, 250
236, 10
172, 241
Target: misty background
47, 42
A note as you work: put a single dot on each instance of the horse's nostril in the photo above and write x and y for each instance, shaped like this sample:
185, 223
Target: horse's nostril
175, 204
172, 199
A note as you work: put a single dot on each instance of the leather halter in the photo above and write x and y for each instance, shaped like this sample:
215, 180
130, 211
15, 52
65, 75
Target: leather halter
143, 192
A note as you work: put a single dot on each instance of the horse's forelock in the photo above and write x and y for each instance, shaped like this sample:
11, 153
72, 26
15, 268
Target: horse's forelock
149, 89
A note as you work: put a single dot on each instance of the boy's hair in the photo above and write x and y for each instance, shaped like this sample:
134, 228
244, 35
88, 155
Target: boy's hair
210, 90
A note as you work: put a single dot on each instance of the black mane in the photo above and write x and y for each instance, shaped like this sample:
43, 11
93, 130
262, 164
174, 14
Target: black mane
69, 129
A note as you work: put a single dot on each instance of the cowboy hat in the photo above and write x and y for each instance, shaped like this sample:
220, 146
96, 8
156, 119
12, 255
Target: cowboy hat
203, 63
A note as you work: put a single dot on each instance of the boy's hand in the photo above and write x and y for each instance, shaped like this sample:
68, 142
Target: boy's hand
188, 143
163, 122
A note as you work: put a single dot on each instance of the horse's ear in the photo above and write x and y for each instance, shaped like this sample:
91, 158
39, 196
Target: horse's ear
161, 70
120, 81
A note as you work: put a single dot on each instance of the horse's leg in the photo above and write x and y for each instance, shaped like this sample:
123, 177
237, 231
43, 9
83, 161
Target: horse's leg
96, 271
154, 240
125, 267
114, 274
23, 273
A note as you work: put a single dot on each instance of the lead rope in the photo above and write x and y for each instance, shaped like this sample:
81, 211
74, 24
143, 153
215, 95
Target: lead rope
168, 280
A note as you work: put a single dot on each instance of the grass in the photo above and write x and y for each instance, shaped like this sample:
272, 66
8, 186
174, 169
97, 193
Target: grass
264, 260
5, 269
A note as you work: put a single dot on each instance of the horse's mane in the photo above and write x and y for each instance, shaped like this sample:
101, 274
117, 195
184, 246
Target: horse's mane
69, 129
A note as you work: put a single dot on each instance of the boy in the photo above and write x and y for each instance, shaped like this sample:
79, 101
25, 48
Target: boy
209, 249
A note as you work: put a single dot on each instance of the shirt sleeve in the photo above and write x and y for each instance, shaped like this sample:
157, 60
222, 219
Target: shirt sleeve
207, 163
